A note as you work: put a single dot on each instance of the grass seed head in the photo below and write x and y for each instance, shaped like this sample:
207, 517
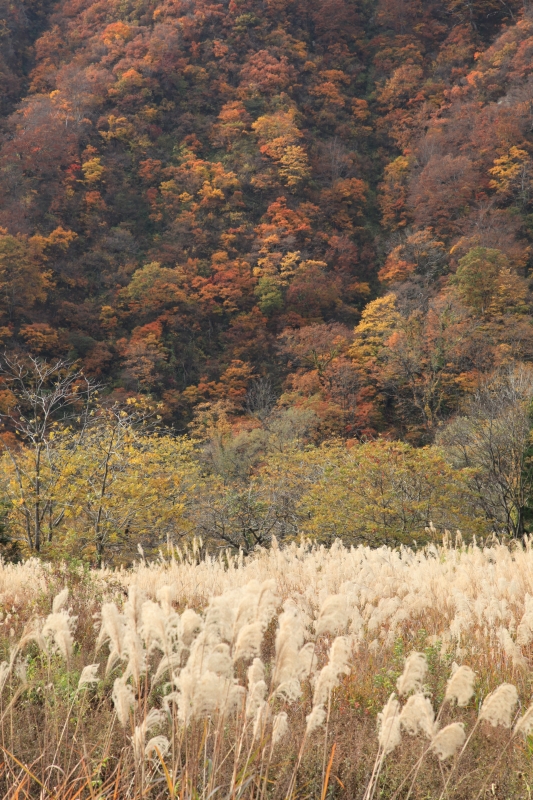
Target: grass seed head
123, 700
413, 675
60, 601
460, 687
499, 705
525, 723
280, 727
447, 741
417, 716
389, 731
88, 675
157, 747
315, 719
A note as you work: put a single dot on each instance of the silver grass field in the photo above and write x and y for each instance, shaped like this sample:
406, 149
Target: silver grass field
299, 672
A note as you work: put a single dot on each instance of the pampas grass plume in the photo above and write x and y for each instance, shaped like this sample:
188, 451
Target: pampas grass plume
255, 698
154, 628
414, 673
525, 723
256, 672
88, 675
166, 595
289, 690
112, 629
60, 601
123, 700
153, 718
289, 639
133, 648
158, 745
315, 719
524, 631
57, 632
191, 624
5, 670
280, 727
389, 733
307, 661
333, 616
417, 716
448, 740
498, 706
261, 713
460, 686
249, 640
328, 677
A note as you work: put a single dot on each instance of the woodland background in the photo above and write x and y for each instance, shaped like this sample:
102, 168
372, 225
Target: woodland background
282, 224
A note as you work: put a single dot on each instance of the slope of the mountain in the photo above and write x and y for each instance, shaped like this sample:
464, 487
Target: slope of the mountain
195, 194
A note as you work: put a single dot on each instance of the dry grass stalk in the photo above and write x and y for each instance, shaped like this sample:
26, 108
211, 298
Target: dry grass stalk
264, 676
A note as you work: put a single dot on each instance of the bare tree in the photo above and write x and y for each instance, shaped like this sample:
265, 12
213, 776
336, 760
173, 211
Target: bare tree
37, 396
493, 438
260, 398
244, 518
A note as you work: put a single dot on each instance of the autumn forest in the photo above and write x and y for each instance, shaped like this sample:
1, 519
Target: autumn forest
266, 399
299, 227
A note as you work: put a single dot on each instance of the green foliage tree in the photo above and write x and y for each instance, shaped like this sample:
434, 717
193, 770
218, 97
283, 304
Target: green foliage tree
478, 275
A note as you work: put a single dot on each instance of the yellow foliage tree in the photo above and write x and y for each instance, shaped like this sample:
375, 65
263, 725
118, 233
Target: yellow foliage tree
486, 282
127, 488
512, 175
24, 279
385, 492
81, 478
100, 492
278, 137
378, 321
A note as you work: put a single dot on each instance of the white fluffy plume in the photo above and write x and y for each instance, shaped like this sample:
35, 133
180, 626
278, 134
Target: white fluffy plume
389, 731
123, 700
499, 705
88, 675
338, 664
57, 632
280, 727
315, 719
417, 716
525, 723
60, 600
460, 686
447, 741
413, 675
334, 616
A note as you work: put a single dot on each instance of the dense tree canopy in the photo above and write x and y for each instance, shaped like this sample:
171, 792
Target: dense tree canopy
336, 196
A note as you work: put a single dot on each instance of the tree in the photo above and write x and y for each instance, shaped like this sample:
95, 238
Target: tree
512, 176
39, 400
486, 283
23, 279
278, 137
493, 438
384, 492
127, 486
443, 191
419, 253
245, 518
84, 478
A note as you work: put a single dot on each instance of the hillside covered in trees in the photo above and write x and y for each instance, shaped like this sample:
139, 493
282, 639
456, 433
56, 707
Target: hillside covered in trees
333, 195
300, 233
